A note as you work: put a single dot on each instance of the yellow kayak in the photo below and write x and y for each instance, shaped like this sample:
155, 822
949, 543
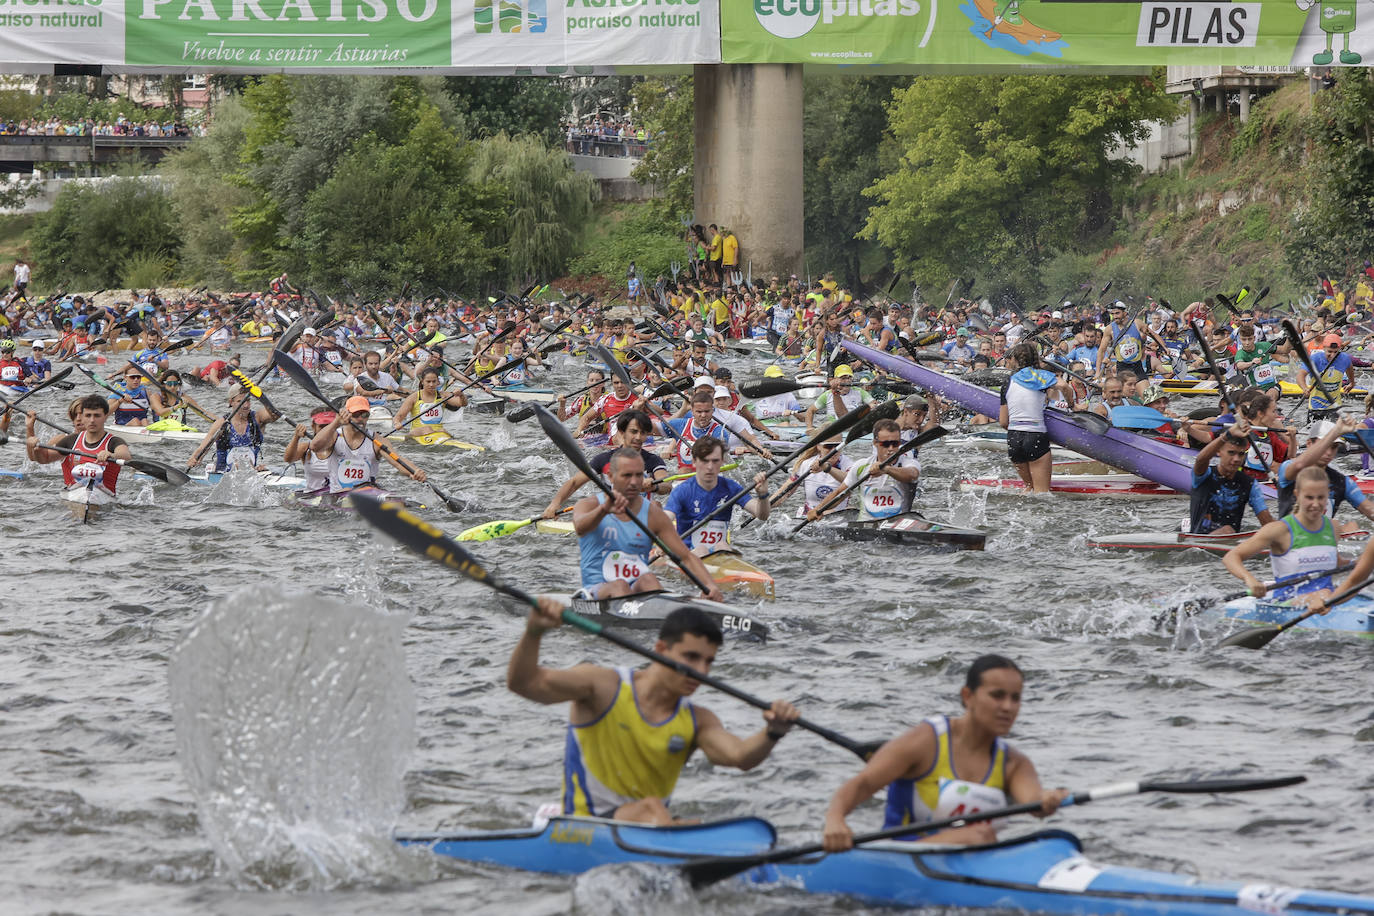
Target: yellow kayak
727, 567
1187, 387
435, 438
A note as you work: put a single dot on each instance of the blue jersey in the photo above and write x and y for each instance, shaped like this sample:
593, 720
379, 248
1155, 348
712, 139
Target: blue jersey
150, 355
36, 367
615, 550
1085, 355
689, 504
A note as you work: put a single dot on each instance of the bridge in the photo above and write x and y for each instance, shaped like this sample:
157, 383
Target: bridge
21, 152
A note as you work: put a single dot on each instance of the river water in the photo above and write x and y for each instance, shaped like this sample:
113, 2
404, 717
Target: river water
98, 814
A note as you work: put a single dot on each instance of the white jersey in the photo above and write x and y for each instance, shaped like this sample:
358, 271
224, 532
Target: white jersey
819, 484
777, 405
882, 496
316, 470
731, 421
351, 467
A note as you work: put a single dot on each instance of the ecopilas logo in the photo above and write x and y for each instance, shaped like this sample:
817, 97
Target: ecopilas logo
510, 16
794, 18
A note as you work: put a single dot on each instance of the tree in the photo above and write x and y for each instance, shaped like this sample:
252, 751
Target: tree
998, 173
548, 204
666, 109
510, 104
845, 123
92, 233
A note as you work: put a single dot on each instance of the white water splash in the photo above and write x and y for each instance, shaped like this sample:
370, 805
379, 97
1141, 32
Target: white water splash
294, 721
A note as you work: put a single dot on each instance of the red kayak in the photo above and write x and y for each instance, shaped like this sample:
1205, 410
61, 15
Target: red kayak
1077, 485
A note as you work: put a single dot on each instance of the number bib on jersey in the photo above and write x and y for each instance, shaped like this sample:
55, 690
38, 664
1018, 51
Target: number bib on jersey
622, 566
713, 535
882, 500
10, 374
241, 457
959, 797
433, 416
90, 470
351, 472
1128, 349
1263, 375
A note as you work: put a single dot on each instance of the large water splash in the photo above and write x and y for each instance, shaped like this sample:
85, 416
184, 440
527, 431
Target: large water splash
294, 722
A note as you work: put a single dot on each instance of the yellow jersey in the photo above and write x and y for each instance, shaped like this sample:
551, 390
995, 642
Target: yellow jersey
619, 757
939, 793
729, 247
716, 245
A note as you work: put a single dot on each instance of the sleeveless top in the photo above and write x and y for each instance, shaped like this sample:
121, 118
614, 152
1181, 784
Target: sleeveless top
1288, 492
615, 550
939, 792
83, 467
316, 471
1129, 344
351, 467
882, 496
233, 448
619, 757
819, 484
689, 434
431, 416
1310, 551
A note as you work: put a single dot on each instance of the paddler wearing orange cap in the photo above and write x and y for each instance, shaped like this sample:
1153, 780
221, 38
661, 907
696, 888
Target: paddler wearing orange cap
1335, 372
351, 453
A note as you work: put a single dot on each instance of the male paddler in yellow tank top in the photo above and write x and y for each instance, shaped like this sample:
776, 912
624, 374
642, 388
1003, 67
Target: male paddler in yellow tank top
630, 732
946, 767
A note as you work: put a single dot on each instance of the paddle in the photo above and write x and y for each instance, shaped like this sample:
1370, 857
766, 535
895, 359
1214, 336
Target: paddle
1137, 416
707, 871
165, 393
394, 520
252, 388
56, 379
1259, 637
887, 410
527, 411
560, 437
838, 496
1222, 390
301, 377
1295, 340
501, 528
768, 387
834, 429
1192, 607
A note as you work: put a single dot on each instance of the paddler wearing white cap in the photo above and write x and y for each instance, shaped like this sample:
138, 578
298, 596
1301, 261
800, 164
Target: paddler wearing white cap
351, 452
308, 351
705, 420
36, 367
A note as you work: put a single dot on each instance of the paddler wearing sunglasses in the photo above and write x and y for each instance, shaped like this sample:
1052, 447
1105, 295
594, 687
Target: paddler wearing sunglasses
631, 731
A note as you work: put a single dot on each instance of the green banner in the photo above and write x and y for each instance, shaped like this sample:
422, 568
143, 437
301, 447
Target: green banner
976, 34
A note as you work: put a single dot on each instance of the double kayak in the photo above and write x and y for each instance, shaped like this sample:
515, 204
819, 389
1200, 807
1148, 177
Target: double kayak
646, 611
1043, 872
1354, 617
908, 528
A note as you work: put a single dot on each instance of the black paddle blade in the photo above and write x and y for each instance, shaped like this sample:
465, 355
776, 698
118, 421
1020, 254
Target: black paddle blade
613, 365
929, 338
520, 414
673, 386
1095, 423
887, 410
1222, 785
1251, 638
558, 434
768, 387
163, 472
299, 375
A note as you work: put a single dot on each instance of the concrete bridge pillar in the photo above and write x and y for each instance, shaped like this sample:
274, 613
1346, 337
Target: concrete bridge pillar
748, 169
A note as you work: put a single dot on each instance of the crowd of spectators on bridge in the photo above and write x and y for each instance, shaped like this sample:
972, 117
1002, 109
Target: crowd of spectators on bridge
121, 127
608, 136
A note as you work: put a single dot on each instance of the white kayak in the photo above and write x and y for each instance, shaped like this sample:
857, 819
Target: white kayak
86, 500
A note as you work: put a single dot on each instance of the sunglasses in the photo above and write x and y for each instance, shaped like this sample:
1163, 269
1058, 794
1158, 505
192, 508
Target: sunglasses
176, 382
888, 443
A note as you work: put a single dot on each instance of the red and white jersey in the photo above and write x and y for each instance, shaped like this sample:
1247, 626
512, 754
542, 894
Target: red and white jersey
83, 467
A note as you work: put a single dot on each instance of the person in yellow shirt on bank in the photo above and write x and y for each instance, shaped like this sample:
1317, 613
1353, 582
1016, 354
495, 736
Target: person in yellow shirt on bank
716, 253
729, 247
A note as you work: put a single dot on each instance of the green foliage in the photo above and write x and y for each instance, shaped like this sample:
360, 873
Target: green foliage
631, 232
78, 106
147, 269
666, 110
997, 173
18, 104
844, 125
93, 232
510, 104
546, 209
1333, 231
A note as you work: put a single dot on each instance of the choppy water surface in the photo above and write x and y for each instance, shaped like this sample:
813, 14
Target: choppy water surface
98, 817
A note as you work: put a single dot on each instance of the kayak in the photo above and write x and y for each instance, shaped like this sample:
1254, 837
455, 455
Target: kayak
17, 475
144, 434
730, 571
488, 405
525, 393
1355, 616
1076, 485
1201, 388
908, 529
1213, 543
1043, 872
86, 501
339, 502
646, 610
440, 437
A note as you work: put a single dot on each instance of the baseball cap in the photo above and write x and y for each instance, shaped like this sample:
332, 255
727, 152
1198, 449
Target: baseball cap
962, 332
1332, 340
844, 372
914, 402
722, 391
38, 345
357, 404
773, 372
308, 331
704, 381
1057, 314
323, 416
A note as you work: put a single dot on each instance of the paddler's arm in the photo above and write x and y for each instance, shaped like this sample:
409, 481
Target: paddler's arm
295, 448
416, 474
1236, 430
723, 748
1273, 535
37, 452
909, 753
663, 525
581, 684
455, 400
323, 442
1364, 568
569, 487
759, 506
1023, 785
589, 512
1314, 450
210, 435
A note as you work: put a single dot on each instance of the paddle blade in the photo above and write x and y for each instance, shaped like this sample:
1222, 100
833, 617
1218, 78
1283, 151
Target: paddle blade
490, 530
887, 410
298, 374
613, 364
163, 472
1220, 785
1093, 422
559, 435
520, 414
1251, 638
765, 388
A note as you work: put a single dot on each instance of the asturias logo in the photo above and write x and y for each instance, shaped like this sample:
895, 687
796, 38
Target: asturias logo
794, 18
510, 16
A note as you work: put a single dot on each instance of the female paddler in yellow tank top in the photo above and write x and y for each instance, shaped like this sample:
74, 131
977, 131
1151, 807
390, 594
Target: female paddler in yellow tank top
946, 767
428, 404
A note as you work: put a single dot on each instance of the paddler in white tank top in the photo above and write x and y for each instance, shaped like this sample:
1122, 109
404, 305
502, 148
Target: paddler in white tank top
1298, 544
946, 766
631, 731
428, 404
314, 469
352, 455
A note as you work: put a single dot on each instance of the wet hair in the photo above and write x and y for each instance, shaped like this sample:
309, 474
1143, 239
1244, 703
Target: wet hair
691, 621
632, 415
704, 397
1025, 355
427, 371
623, 454
982, 665
705, 447
93, 402
886, 426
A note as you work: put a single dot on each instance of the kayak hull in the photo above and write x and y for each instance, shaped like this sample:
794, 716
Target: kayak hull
647, 610
435, 438
1212, 543
731, 571
521, 393
1043, 872
87, 501
1119, 485
908, 529
1354, 617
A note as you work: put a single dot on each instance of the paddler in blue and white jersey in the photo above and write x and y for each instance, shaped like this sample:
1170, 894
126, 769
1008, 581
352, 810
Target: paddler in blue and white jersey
614, 551
1322, 445
1300, 543
631, 731
1221, 491
697, 497
1335, 370
922, 768
820, 475
706, 420
1124, 341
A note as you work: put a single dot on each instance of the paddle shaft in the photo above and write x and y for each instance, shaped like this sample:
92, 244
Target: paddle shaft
1224, 392
165, 393
1296, 341
1261, 637
54, 380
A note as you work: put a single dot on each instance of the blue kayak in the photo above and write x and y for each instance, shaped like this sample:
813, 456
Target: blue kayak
1043, 872
1355, 616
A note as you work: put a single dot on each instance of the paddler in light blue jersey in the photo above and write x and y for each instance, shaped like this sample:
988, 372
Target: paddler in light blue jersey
614, 550
1299, 544
945, 767
630, 732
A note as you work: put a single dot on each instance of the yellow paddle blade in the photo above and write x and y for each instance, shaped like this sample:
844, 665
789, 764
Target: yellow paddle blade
495, 529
